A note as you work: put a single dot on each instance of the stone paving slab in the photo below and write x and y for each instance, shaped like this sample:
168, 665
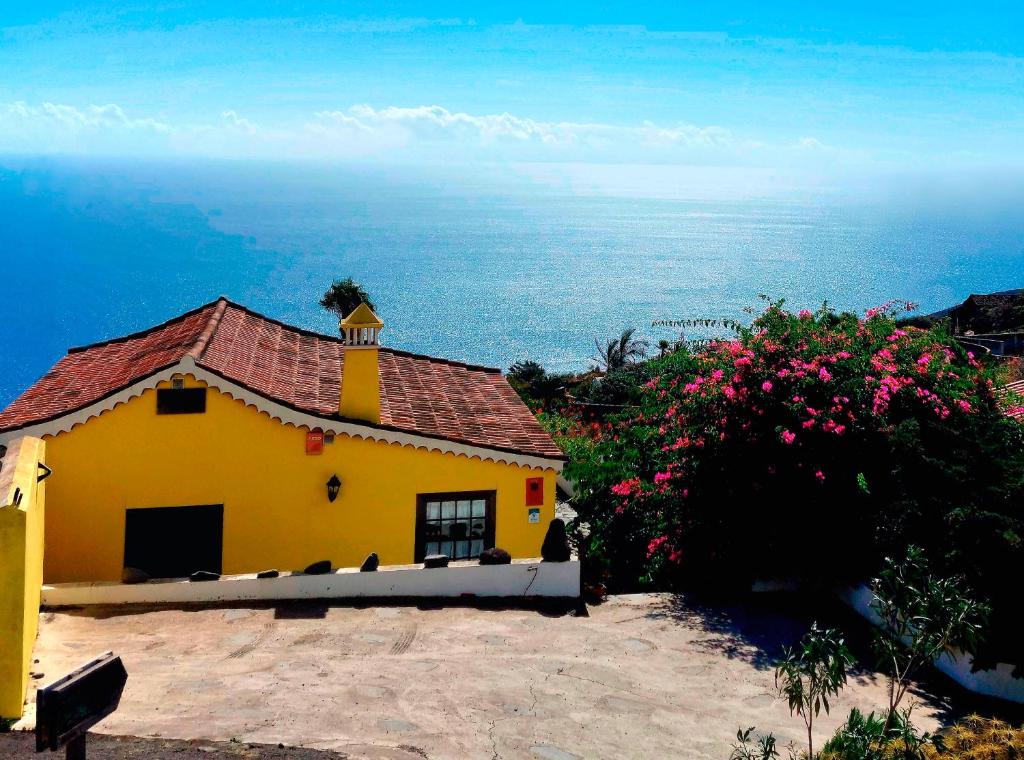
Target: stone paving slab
641, 676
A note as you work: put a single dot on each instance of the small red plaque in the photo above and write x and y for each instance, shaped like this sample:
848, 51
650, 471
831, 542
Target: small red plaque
315, 442
535, 492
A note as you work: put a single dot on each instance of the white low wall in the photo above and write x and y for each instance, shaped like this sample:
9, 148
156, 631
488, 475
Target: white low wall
997, 682
523, 578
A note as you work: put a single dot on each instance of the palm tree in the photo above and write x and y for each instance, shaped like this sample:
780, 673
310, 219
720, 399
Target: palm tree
344, 296
618, 352
664, 347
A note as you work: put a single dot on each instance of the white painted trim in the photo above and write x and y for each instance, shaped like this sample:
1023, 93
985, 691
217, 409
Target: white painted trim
996, 682
566, 485
523, 578
281, 413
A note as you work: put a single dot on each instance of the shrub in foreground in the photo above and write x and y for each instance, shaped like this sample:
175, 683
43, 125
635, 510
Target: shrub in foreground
810, 446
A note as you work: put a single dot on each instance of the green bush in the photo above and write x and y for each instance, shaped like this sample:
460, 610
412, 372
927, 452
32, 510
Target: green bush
809, 446
608, 394
865, 737
538, 388
574, 437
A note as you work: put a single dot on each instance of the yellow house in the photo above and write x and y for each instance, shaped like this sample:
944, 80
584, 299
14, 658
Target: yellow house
227, 441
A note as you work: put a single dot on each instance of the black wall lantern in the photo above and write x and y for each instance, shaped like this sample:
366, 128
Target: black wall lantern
333, 487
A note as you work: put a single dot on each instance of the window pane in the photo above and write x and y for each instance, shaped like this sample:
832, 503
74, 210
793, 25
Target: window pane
454, 526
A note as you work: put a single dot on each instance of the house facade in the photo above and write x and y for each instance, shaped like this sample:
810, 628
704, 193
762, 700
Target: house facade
226, 441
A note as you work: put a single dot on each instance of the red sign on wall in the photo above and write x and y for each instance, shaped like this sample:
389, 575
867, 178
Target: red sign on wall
315, 442
535, 492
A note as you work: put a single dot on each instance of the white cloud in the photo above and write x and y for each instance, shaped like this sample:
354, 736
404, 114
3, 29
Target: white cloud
422, 133
58, 128
232, 119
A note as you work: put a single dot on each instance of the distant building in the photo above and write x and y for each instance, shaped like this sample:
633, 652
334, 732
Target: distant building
223, 440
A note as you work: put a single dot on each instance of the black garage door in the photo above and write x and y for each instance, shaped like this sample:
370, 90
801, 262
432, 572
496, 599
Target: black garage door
172, 542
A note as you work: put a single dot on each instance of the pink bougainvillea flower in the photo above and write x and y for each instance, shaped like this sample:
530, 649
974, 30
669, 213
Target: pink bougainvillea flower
626, 487
788, 437
766, 386
824, 375
655, 544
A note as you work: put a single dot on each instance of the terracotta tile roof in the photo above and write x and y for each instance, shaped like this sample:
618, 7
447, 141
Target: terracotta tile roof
297, 368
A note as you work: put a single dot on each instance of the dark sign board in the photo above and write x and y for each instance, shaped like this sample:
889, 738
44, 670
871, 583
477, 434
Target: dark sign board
70, 706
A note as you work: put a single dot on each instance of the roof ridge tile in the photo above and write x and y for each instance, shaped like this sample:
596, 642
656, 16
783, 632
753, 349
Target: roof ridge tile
197, 351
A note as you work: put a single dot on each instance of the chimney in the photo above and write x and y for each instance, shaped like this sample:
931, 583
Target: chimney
360, 369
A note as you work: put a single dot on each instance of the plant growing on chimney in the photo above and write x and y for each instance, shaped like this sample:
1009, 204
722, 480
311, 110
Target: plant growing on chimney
344, 296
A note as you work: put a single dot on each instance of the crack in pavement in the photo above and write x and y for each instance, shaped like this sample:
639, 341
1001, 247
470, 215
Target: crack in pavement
567, 674
494, 742
493, 723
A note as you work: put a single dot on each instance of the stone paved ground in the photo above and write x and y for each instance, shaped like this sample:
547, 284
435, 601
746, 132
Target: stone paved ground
21, 746
641, 676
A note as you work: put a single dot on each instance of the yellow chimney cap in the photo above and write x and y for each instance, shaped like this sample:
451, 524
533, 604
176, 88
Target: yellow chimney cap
362, 316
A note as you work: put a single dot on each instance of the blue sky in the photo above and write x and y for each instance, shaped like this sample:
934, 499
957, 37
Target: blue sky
776, 85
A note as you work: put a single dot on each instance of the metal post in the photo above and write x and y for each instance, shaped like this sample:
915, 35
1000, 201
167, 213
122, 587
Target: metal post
75, 749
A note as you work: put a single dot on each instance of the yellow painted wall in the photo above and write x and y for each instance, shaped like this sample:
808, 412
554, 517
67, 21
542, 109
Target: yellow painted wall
276, 513
21, 568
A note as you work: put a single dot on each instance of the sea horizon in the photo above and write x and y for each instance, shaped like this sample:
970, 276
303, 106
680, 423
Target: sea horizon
489, 265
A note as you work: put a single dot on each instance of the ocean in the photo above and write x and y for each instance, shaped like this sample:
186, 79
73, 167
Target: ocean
487, 266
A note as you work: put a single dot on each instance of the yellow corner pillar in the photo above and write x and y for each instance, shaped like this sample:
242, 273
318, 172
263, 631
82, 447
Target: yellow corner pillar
21, 567
360, 370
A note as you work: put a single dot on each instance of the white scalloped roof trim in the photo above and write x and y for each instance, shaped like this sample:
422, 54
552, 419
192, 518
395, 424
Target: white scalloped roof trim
281, 413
